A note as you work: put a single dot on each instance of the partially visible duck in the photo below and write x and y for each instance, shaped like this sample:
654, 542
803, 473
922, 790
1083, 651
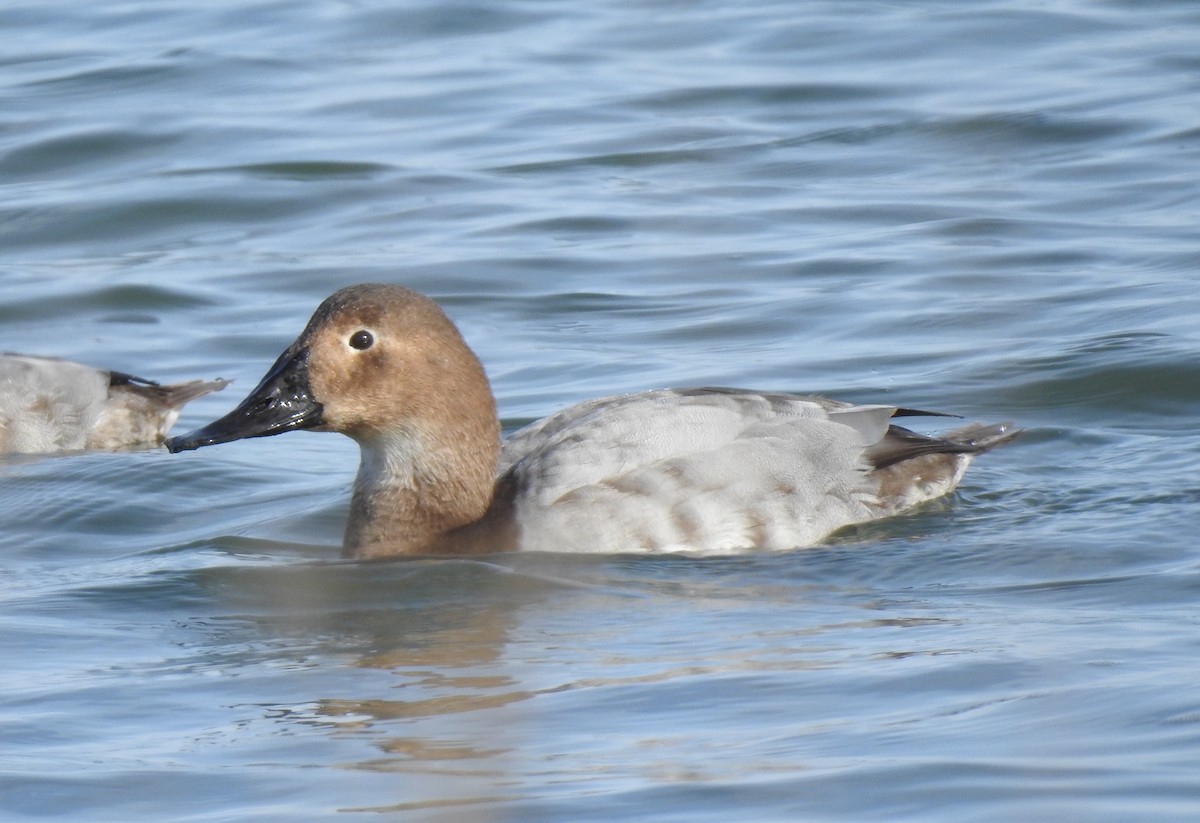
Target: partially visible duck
52, 405
706, 470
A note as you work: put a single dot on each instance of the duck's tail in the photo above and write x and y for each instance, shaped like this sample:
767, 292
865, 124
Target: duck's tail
171, 395
178, 394
912, 468
977, 438
900, 444
140, 412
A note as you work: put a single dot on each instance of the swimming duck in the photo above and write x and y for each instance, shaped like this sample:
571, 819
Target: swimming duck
51, 405
704, 470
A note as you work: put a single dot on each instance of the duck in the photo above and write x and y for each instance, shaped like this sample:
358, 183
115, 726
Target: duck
704, 470
50, 405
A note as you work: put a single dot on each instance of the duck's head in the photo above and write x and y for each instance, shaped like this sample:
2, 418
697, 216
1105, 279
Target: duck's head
374, 362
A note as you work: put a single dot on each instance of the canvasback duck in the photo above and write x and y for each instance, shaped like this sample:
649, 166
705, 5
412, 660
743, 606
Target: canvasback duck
52, 405
703, 470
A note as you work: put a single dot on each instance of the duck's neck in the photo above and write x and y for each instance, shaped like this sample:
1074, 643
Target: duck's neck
416, 487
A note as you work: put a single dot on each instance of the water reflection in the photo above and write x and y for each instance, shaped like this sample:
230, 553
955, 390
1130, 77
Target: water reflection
415, 681
406, 658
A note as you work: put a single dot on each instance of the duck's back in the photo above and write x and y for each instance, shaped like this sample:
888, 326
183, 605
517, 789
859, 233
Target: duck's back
48, 404
698, 469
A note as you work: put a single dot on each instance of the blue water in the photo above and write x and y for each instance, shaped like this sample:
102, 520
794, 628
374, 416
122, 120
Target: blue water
986, 208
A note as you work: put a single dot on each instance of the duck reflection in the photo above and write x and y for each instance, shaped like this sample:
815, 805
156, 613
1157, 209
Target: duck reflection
407, 654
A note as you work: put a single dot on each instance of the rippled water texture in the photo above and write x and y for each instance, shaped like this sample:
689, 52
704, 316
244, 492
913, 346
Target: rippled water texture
985, 208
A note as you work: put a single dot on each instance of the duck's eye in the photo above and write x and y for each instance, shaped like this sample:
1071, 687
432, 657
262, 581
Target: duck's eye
361, 340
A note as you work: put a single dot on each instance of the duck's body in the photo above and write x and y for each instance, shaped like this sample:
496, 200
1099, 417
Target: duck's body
52, 405
707, 470
726, 470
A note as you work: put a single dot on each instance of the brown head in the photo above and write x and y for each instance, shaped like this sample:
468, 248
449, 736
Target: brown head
384, 365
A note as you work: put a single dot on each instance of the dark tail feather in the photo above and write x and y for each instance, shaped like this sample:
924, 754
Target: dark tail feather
900, 444
174, 395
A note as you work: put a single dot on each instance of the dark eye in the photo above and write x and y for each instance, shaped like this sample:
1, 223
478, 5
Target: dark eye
362, 339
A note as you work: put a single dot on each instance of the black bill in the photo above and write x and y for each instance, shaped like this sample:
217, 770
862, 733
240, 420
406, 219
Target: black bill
282, 402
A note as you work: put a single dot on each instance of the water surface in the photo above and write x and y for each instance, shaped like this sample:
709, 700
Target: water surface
988, 210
